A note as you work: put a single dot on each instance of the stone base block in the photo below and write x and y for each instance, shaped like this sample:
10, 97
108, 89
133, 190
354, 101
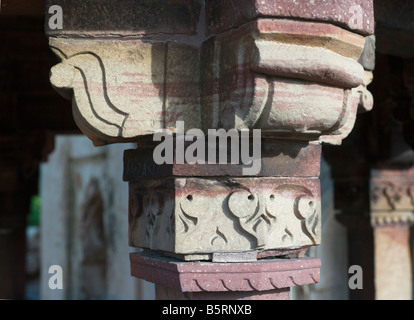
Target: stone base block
263, 279
165, 293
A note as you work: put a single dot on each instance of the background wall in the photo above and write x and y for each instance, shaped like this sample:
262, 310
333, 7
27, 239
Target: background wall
84, 223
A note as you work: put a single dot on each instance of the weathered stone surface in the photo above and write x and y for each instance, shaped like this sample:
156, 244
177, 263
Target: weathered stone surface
165, 293
353, 15
392, 196
182, 91
279, 158
227, 257
393, 263
97, 18
367, 59
119, 87
286, 68
202, 216
289, 78
292, 79
264, 275
359, 100
315, 34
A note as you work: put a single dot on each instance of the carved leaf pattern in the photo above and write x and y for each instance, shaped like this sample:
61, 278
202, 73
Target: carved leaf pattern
192, 210
258, 214
153, 207
219, 236
249, 283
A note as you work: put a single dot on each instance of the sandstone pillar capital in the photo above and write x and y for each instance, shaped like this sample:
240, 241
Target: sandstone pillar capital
262, 68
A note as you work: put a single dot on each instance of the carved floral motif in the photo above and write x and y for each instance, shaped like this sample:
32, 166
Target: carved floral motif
392, 201
240, 215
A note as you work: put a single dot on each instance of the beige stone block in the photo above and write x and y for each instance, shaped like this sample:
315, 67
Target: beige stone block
187, 216
123, 89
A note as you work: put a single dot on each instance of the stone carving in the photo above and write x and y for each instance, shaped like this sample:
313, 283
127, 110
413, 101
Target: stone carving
355, 15
258, 214
358, 100
392, 201
92, 248
288, 78
240, 214
149, 209
91, 226
389, 195
210, 277
268, 282
291, 70
119, 87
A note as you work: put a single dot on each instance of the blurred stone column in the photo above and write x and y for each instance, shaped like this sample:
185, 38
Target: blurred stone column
280, 76
351, 174
19, 165
392, 194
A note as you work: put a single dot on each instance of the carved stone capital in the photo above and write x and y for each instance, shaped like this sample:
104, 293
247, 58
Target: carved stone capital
291, 69
392, 197
291, 78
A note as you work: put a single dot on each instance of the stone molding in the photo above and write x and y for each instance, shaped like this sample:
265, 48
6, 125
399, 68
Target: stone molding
260, 276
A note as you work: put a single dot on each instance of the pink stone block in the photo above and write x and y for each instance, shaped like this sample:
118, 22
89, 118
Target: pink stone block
165, 293
355, 15
264, 275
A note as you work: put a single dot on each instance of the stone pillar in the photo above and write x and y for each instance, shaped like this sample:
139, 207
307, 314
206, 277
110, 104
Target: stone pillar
19, 175
351, 174
392, 195
273, 76
222, 222
373, 170
28, 120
